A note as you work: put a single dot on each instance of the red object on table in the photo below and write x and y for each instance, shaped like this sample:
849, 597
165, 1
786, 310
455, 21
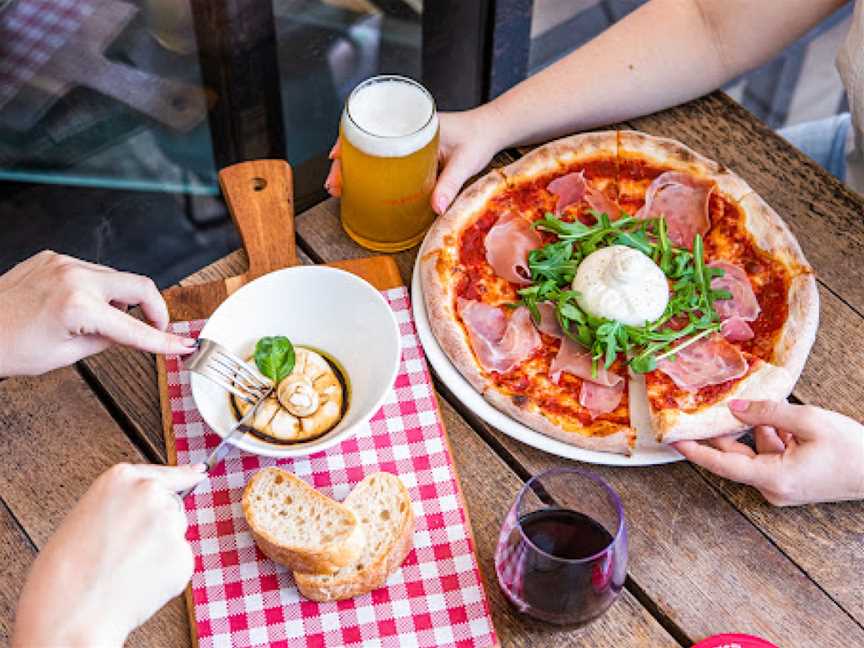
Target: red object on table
734, 641
242, 598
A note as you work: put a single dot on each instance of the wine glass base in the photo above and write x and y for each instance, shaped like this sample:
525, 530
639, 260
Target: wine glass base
563, 623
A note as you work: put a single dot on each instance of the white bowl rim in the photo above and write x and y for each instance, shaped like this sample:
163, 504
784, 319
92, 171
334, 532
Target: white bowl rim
328, 441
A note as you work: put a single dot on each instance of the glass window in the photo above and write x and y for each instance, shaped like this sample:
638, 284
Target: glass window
115, 116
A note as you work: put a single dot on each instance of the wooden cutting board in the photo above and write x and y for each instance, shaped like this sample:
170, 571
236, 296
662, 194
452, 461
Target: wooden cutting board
260, 198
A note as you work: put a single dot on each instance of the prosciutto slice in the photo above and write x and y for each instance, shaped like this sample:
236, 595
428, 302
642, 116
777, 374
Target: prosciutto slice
575, 359
548, 322
743, 304
600, 399
500, 342
711, 361
570, 189
602, 203
507, 246
573, 188
683, 201
735, 329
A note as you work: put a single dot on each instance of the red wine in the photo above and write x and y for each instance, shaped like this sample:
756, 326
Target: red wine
564, 533
547, 583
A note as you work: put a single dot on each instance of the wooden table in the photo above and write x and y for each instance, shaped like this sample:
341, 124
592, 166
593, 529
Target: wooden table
707, 555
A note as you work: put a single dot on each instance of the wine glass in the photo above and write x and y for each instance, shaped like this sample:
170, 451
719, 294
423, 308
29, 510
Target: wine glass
562, 551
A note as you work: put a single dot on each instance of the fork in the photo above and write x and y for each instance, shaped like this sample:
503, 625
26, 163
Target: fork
218, 365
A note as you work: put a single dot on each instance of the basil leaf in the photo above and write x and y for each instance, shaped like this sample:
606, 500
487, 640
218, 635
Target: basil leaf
274, 357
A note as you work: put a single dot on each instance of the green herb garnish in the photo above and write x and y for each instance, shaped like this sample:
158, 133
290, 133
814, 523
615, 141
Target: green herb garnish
691, 303
274, 357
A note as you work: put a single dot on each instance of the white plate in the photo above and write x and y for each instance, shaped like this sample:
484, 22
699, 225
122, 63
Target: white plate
324, 308
647, 452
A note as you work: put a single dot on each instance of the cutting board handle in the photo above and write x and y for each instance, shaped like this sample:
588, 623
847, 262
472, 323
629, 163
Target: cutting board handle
260, 197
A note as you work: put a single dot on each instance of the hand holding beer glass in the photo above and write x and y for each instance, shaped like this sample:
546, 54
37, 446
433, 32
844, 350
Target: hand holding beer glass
389, 154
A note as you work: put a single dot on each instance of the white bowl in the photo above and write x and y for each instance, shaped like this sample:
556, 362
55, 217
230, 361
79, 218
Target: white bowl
315, 306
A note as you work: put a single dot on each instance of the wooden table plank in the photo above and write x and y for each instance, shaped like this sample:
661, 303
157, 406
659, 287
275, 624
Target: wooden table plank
57, 439
489, 493
773, 575
708, 568
16, 554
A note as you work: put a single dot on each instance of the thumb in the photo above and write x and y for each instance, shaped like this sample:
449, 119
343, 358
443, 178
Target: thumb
456, 171
803, 421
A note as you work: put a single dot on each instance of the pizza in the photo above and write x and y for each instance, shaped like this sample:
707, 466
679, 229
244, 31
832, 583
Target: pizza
613, 284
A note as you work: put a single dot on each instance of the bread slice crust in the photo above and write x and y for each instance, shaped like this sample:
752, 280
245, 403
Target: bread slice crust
377, 563
325, 557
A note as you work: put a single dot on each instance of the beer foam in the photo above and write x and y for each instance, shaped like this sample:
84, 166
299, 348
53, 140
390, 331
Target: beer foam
390, 118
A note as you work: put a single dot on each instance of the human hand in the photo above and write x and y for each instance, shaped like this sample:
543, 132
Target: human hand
55, 310
118, 557
467, 142
803, 454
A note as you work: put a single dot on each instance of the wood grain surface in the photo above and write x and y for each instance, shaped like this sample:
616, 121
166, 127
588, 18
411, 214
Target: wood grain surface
57, 438
707, 555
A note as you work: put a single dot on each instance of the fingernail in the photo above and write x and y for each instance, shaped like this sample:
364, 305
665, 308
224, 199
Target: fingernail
737, 405
441, 205
198, 467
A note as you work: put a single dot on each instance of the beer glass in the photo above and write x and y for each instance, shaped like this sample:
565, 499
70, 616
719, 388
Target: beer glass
389, 137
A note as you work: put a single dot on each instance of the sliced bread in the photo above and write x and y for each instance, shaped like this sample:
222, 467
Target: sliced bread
297, 526
383, 507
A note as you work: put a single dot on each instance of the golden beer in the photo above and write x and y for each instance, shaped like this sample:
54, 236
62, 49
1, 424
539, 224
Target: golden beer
389, 133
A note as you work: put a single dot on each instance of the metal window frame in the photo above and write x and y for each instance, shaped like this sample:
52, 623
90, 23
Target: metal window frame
474, 50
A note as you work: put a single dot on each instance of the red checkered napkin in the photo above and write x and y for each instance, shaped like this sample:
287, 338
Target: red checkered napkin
244, 599
30, 32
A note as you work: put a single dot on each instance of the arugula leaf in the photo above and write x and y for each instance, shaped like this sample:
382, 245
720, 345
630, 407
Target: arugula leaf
275, 357
643, 364
554, 262
565, 231
636, 240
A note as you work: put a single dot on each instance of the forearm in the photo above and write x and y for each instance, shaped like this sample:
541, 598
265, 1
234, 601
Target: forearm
45, 618
664, 53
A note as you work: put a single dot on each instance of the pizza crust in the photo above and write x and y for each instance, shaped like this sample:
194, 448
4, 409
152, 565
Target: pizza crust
678, 157
799, 332
560, 154
766, 382
438, 255
616, 439
772, 234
